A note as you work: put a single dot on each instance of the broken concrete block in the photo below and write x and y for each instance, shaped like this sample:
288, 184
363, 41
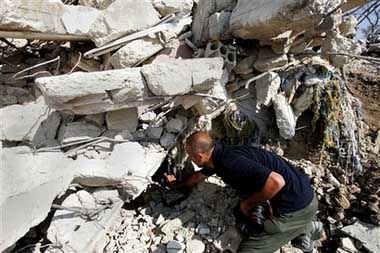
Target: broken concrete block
175, 247
135, 52
336, 43
217, 49
47, 132
174, 125
22, 121
263, 21
77, 234
95, 92
176, 77
93, 173
348, 245
140, 175
127, 161
75, 131
121, 18
367, 234
98, 118
155, 132
32, 183
122, 119
166, 7
267, 87
79, 19
218, 25
268, 60
304, 101
285, 118
208, 106
126, 157
245, 65
147, 117
27, 15
55, 21
167, 139
203, 10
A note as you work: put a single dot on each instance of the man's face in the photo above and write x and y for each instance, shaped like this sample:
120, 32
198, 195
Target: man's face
197, 158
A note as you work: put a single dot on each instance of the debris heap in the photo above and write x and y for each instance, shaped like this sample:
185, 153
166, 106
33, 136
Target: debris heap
98, 96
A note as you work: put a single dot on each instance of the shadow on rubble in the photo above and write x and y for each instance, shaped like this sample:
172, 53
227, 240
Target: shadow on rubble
200, 215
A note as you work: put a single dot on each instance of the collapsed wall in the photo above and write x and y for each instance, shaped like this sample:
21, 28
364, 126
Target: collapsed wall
114, 114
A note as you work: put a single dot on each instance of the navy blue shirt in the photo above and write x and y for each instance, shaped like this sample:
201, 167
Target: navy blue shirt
246, 169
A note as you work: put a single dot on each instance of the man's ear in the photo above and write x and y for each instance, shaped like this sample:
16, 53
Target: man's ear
198, 155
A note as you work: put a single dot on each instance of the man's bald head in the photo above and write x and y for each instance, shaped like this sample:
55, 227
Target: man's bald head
199, 142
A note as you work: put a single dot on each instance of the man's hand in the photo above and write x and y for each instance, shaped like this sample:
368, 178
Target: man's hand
171, 181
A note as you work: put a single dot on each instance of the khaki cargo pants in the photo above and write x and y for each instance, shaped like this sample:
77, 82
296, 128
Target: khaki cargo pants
279, 231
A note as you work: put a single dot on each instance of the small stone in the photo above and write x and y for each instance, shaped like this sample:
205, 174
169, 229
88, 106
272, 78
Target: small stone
175, 247
348, 245
195, 246
154, 132
203, 229
167, 139
147, 117
174, 125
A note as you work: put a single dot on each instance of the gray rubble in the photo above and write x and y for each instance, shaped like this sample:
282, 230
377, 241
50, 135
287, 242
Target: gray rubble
151, 82
95, 92
32, 183
367, 234
285, 118
177, 77
166, 7
70, 229
22, 121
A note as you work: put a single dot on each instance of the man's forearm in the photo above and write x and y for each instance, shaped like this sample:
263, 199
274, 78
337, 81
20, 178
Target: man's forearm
273, 185
195, 178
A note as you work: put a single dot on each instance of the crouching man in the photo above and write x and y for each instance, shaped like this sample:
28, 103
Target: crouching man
279, 204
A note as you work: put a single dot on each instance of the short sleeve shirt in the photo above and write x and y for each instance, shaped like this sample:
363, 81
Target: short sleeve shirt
247, 169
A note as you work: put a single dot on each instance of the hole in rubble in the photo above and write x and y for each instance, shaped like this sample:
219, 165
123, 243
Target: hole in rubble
231, 57
223, 50
214, 46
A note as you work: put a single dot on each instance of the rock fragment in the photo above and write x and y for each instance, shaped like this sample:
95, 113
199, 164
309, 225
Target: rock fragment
122, 17
75, 131
195, 246
122, 119
175, 247
95, 92
74, 232
255, 20
266, 88
268, 60
286, 121
177, 77
166, 7
32, 183
136, 52
22, 121
367, 234
334, 43
174, 125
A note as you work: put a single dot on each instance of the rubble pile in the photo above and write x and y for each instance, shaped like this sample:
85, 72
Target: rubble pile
93, 116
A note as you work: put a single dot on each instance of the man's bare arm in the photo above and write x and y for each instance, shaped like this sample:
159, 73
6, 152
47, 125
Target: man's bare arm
195, 178
273, 185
